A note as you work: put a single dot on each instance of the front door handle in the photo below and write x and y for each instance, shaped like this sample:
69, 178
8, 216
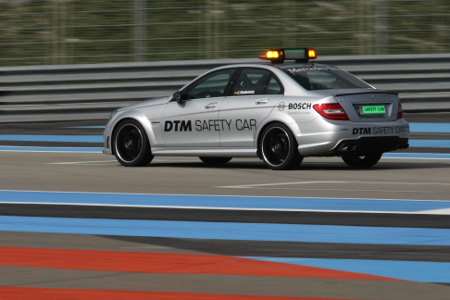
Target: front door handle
211, 105
262, 101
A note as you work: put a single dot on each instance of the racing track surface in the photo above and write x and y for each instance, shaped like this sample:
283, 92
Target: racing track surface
75, 223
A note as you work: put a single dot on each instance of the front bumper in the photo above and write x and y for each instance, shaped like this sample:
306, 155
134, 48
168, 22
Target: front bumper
107, 147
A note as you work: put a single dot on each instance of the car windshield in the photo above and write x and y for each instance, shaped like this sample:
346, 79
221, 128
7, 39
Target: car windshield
313, 77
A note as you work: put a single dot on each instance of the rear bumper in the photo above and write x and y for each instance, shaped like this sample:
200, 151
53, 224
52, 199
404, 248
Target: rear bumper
372, 145
324, 138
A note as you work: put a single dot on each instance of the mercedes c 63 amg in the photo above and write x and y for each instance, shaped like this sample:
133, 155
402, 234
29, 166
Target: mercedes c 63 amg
281, 111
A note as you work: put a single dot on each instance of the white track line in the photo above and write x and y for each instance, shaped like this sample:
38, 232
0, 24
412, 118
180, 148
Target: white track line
220, 208
82, 162
274, 184
442, 211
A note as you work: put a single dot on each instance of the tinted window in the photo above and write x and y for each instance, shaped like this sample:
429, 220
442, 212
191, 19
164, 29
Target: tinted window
212, 85
253, 81
317, 78
274, 87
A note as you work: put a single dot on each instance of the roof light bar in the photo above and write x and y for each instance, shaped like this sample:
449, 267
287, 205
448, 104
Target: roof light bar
279, 55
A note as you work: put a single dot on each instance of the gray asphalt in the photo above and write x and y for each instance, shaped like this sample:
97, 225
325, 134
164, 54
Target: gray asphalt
318, 177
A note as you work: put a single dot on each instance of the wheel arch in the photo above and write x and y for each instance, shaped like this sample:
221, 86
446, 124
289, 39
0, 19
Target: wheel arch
288, 122
142, 120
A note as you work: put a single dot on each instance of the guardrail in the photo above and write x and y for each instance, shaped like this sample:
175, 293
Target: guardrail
83, 92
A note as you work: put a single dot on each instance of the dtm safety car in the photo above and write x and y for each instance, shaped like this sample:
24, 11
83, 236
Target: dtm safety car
281, 111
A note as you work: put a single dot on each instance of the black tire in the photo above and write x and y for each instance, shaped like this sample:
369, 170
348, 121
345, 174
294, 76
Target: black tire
361, 161
214, 161
278, 147
131, 145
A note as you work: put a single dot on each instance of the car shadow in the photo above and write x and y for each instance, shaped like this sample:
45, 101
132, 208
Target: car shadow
309, 166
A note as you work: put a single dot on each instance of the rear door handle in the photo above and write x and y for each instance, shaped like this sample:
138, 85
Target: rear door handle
262, 101
211, 105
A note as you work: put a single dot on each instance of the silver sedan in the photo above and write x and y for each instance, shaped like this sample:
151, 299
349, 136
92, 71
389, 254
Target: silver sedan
280, 112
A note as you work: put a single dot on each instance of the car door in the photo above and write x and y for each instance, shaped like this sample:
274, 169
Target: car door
193, 122
254, 94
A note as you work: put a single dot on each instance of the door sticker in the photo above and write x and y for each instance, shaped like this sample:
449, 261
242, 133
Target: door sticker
210, 125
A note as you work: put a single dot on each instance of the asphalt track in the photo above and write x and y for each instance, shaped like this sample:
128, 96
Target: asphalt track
76, 225
318, 177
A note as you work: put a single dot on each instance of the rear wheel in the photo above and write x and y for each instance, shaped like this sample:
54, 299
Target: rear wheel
131, 145
278, 147
214, 161
361, 161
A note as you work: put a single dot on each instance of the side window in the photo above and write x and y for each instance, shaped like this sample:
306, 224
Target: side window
212, 85
255, 81
274, 87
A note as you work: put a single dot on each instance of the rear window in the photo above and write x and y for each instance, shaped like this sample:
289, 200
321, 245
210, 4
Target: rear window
318, 78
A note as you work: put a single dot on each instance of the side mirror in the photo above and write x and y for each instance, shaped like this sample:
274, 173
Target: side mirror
177, 97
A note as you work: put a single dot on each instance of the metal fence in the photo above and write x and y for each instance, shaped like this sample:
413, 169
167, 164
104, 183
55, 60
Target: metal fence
93, 31
64, 92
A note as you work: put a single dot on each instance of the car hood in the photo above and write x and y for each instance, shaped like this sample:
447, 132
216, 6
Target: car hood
147, 103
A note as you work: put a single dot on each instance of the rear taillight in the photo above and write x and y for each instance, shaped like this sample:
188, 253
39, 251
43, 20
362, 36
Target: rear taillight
331, 111
399, 111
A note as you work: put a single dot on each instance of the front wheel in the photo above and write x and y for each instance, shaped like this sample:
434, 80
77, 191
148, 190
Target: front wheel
361, 161
278, 147
214, 161
131, 145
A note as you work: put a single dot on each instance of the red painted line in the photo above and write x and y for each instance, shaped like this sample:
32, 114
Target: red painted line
166, 263
25, 293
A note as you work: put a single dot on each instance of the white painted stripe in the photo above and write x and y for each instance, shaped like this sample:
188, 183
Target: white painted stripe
244, 186
442, 211
82, 162
372, 182
221, 195
430, 212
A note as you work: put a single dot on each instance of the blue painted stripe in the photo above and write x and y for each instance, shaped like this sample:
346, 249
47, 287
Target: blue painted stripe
51, 149
430, 127
437, 272
226, 201
416, 155
51, 138
231, 231
429, 143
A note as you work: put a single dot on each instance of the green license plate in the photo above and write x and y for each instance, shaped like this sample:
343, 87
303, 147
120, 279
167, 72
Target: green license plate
373, 110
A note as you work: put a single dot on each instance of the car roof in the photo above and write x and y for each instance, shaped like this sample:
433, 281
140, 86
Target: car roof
271, 66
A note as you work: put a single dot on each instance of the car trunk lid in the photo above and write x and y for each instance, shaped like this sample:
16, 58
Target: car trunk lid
369, 106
